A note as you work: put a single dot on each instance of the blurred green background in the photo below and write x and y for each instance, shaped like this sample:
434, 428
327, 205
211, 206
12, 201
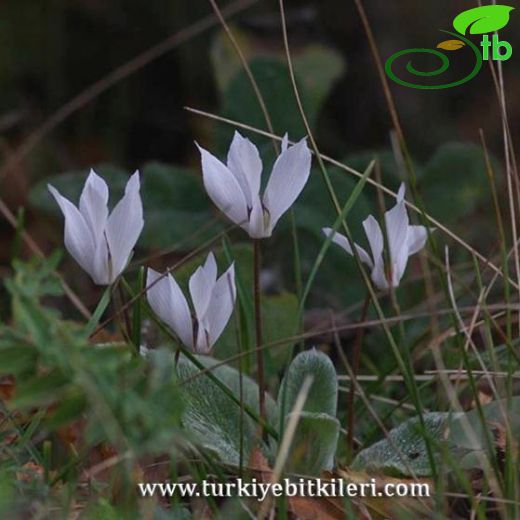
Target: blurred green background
52, 51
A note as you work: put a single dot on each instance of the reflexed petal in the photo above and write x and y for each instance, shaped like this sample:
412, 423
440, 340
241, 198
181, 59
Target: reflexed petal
288, 178
376, 241
401, 193
210, 268
396, 221
93, 204
124, 226
100, 265
167, 301
378, 275
245, 164
256, 228
223, 189
375, 238
285, 142
342, 241
77, 236
417, 237
221, 304
200, 291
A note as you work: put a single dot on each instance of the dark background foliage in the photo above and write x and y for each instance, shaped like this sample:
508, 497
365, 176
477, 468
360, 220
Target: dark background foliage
51, 51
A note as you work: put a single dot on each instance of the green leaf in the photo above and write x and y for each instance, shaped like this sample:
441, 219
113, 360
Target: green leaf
405, 448
224, 59
495, 413
314, 444
67, 411
212, 418
17, 359
41, 391
460, 437
323, 393
176, 208
390, 174
318, 68
484, 19
456, 173
280, 320
100, 309
240, 104
313, 210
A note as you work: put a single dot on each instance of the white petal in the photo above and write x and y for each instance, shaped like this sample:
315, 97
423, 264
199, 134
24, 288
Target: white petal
375, 238
100, 263
210, 268
77, 235
203, 344
290, 173
221, 305
401, 193
200, 291
257, 221
378, 275
124, 226
93, 204
167, 301
223, 188
417, 237
245, 164
342, 241
285, 142
396, 221
376, 241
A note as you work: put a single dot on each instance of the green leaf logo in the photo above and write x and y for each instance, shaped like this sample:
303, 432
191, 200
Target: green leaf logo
481, 20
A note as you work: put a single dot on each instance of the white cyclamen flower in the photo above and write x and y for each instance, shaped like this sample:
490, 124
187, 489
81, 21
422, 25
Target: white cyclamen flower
213, 301
99, 242
235, 187
403, 241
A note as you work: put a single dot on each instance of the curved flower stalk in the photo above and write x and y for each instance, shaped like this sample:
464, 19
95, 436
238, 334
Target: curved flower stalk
99, 242
403, 239
213, 301
235, 187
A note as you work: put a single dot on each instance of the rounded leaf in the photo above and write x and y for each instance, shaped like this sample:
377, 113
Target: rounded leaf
404, 452
481, 20
211, 418
323, 394
313, 447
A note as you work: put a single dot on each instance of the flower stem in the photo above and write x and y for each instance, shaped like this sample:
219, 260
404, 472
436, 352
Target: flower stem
257, 260
356, 358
